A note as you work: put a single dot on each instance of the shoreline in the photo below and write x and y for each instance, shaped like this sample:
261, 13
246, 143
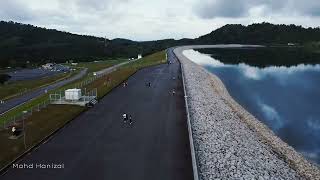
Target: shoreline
282, 150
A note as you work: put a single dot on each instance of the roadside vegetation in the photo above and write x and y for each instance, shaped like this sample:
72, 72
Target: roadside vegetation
108, 82
13, 89
41, 124
17, 88
97, 65
38, 126
92, 66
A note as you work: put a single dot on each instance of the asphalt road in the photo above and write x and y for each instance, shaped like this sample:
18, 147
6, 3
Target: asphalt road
30, 74
98, 145
13, 102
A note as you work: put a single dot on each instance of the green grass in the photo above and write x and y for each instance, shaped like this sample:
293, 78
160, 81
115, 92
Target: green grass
117, 77
151, 60
97, 66
91, 68
42, 123
38, 126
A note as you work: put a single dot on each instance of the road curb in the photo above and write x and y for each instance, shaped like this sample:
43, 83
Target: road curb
192, 149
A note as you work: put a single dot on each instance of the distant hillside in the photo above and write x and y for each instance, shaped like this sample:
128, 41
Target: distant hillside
264, 33
20, 43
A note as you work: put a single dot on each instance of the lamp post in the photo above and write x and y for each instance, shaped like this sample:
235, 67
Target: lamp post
24, 129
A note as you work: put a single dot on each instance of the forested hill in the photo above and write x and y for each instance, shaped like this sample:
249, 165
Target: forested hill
264, 33
20, 43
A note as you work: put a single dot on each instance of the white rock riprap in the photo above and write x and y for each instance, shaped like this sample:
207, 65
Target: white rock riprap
229, 142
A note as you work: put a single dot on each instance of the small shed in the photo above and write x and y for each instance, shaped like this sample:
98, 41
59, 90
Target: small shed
73, 94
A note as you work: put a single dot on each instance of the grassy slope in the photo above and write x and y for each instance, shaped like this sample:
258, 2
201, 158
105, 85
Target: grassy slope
97, 66
91, 68
17, 88
38, 126
42, 123
104, 86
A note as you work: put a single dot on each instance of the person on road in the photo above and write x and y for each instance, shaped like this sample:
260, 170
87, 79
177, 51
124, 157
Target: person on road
125, 117
14, 131
173, 92
149, 84
130, 119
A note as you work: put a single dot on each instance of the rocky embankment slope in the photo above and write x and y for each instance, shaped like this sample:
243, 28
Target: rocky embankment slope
229, 142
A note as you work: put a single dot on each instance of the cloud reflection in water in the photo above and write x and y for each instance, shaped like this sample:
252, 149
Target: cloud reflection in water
287, 99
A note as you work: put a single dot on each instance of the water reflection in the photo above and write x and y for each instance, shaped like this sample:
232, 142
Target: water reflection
287, 99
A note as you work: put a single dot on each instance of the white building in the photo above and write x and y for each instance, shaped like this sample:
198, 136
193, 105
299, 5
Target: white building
139, 56
73, 94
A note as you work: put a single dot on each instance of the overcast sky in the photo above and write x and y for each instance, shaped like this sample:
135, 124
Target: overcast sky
156, 19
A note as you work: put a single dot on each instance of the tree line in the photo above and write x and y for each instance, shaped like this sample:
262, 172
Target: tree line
22, 44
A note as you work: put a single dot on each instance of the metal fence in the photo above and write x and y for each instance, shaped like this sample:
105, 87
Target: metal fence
88, 81
86, 95
18, 117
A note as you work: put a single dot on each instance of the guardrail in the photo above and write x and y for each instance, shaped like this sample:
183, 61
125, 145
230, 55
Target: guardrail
192, 149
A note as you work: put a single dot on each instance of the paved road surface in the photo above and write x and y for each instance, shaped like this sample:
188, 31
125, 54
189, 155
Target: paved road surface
11, 103
31, 74
98, 145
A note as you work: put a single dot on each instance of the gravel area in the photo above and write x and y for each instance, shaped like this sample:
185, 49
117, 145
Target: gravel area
230, 143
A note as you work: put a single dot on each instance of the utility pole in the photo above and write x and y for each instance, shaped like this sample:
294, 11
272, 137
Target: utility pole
24, 129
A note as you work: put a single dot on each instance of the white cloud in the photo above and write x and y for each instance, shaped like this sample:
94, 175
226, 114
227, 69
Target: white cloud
271, 115
149, 20
251, 72
314, 124
256, 73
242, 8
270, 112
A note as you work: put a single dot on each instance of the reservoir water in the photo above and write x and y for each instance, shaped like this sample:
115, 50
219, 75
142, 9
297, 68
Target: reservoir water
285, 97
